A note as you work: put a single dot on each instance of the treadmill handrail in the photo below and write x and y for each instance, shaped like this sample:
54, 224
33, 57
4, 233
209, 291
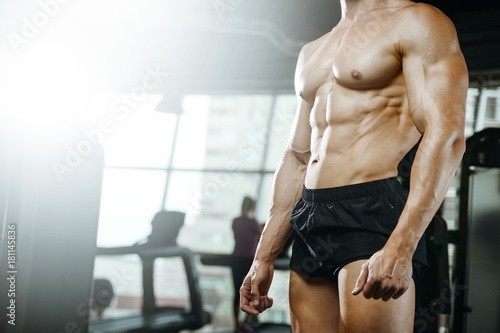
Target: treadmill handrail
148, 255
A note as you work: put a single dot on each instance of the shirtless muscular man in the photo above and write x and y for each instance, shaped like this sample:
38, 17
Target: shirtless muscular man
389, 73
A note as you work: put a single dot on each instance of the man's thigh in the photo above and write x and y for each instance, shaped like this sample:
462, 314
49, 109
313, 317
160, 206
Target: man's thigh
360, 315
314, 304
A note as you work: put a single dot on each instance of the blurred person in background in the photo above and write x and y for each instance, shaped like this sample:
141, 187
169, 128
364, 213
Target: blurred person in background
246, 231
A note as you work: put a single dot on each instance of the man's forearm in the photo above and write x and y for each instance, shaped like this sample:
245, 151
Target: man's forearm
287, 189
434, 167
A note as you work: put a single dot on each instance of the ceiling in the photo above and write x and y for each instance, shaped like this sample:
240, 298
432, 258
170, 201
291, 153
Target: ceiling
221, 46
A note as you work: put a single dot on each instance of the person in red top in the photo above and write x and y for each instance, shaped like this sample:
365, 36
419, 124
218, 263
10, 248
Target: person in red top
247, 232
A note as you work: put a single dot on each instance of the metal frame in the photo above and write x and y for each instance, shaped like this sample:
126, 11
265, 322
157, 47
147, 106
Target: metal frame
262, 171
479, 142
197, 316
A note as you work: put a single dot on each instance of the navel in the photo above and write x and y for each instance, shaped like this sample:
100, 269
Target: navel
355, 74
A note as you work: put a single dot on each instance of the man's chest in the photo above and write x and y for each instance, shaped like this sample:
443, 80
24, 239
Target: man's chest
362, 56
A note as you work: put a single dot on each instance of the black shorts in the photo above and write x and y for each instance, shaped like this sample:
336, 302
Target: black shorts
336, 226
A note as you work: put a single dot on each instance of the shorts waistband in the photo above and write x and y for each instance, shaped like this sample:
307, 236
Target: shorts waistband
347, 192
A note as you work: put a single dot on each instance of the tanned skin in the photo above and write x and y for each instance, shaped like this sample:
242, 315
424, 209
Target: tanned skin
390, 72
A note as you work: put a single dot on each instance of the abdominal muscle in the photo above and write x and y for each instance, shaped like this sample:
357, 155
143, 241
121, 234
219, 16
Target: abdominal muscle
360, 137
339, 170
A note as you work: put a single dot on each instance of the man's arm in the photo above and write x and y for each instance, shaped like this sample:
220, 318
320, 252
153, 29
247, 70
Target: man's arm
287, 189
436, 81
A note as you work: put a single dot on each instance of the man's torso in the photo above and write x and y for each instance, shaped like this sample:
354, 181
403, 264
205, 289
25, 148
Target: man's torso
360, 119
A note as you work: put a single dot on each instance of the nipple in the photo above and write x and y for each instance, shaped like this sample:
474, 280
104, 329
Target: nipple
355, 74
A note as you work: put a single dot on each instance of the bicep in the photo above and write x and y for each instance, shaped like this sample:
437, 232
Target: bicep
300, 134
436, 92
299, 140
434, 71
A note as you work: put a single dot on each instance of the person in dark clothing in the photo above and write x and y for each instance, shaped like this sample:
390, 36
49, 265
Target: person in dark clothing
246, 231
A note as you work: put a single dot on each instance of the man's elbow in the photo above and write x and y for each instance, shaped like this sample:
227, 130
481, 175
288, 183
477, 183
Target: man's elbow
447, 137
458, 144
299, 156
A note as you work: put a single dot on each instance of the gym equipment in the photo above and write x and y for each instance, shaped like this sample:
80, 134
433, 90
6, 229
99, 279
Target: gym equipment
102, 294
433, 294
160, 244
477, 294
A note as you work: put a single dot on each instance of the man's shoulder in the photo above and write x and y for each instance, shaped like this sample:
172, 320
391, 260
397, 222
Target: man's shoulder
308, 49
423, 28
421, 15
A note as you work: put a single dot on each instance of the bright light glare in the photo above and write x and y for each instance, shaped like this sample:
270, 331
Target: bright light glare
46, 92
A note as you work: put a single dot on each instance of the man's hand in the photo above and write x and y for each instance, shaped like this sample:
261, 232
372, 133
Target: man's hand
253, 291
385, 275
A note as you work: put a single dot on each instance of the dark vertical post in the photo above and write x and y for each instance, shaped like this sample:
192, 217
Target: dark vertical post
55, 218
